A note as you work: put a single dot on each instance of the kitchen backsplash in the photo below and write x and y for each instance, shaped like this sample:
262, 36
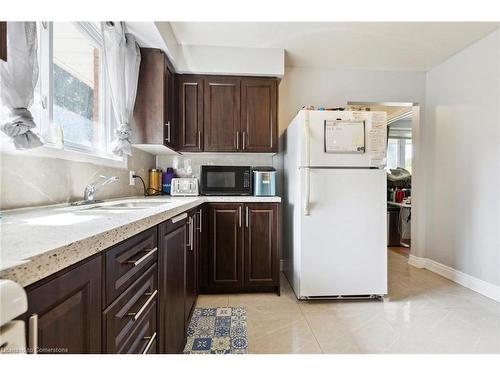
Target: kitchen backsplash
197, 160
28, 180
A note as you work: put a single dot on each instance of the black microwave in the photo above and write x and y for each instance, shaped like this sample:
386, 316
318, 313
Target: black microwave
225, 180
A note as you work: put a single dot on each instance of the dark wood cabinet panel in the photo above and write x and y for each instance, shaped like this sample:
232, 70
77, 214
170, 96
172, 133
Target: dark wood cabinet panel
65, 312
172, 248
203, 257
226, 235
222, 114
190, 265
3, 41
153, 117
190, 112
126, 261
130, 321
259, 121
261, 245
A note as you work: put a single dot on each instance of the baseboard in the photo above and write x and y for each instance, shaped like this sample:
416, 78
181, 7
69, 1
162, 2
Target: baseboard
480, 286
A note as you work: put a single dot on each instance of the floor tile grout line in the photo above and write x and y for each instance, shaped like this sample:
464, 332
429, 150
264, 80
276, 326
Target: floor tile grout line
310, 328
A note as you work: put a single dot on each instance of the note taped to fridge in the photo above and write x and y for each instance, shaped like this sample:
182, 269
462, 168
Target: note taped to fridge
345, 136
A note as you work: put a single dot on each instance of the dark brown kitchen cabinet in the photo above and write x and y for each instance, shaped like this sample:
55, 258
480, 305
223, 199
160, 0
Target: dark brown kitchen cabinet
64, 313
226, 237
261, 266
3, 41
190, 112
171, 263
153, 120
259, 118
243, 252
191, 269
129, 324
222, 114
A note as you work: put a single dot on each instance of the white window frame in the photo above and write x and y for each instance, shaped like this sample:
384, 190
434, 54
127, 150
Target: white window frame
70, 150
401, 151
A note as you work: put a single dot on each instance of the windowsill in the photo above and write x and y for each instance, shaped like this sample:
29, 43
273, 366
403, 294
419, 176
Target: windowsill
49, 151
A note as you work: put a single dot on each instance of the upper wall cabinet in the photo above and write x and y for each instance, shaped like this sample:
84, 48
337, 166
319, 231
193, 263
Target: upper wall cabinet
239, 114
3, 41
190, 112
259, 118
222, 114
153, 119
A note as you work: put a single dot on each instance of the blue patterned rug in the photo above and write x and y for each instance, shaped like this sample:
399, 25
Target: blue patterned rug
218, 330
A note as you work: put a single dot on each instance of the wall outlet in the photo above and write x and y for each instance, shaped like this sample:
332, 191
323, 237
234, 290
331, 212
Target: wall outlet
131, 179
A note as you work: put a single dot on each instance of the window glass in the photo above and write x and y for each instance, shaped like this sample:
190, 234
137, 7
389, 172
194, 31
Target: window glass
392, 153
76, 81
408, 151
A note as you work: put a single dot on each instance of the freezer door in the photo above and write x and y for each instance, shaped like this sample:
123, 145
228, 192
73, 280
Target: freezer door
344, 237
313, 140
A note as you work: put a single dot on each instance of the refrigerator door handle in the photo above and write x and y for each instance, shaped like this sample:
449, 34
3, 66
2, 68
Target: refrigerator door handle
307, 189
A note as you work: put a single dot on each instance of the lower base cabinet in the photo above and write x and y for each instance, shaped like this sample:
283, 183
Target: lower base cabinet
243, 248
172, 245
64, 313
138, 296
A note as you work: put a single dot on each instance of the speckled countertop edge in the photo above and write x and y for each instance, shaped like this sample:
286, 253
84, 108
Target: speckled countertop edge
48, 262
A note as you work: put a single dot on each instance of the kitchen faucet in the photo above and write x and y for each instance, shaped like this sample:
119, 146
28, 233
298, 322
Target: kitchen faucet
91, 190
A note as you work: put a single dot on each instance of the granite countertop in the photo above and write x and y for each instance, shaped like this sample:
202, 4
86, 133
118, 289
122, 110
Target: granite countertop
37, 242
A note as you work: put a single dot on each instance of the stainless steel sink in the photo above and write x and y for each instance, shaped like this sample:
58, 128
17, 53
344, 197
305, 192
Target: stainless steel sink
122, 206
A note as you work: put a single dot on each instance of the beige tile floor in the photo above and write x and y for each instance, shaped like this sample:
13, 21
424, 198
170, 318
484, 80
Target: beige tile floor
423, 313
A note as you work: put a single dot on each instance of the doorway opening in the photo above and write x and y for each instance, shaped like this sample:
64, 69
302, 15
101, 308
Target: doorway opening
402, 125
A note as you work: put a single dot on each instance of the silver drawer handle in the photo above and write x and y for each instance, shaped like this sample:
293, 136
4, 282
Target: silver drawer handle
143, 258
179, 218
33, 333
137, 314
150, 342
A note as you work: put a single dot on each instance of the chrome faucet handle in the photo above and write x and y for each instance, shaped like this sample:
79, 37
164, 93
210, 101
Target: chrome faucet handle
92, 188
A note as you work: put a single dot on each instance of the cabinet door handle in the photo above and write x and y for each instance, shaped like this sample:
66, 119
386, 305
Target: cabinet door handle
239, 215
201, 218
189, 224
150, 342
191, 234
33, 333
143, 258
199, 139
136, 315
179, 218
246, 216
243, 138
168, 131
237, 139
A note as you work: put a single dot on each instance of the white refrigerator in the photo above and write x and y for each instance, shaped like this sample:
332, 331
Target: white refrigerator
335, 210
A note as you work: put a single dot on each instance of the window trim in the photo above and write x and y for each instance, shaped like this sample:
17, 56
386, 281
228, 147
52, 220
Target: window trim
66, 149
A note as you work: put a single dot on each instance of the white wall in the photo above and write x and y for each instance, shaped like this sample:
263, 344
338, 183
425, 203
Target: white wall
462, 165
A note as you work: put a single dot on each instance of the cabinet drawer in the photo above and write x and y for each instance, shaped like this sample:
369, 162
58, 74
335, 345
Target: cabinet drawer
130, 321
127, 261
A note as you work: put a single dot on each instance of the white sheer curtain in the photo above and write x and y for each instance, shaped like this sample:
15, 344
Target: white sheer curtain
18, 77
122, 58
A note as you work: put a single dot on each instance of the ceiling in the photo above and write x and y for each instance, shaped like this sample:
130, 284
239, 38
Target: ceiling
403, 46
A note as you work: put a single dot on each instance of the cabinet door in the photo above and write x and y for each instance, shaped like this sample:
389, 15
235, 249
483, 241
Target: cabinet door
222, 114
259, 125
64, 314
190, 112
3, 41
191, 270
261, 245
225, 248
172, 247
170, 128
149, 112
203, 244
